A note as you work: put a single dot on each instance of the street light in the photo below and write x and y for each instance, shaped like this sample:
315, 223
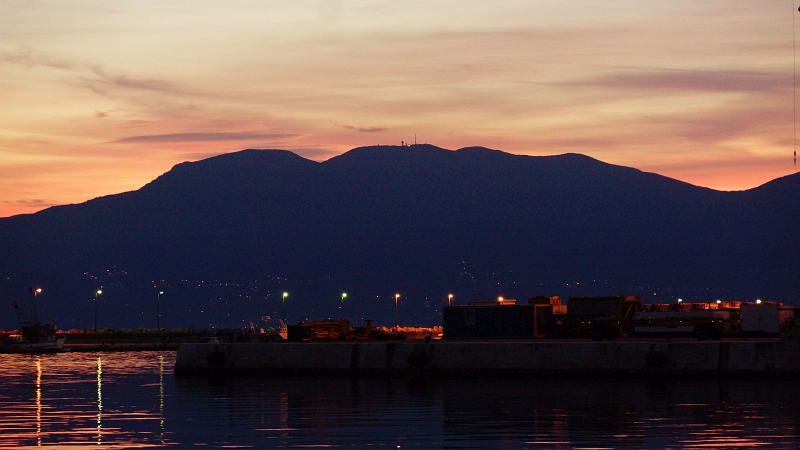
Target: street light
396, 298
96, 294
285, 294
33, 305
449, 299
158, 311
344, 295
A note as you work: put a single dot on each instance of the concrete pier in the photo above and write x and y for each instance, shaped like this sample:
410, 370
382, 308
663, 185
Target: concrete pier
528, 357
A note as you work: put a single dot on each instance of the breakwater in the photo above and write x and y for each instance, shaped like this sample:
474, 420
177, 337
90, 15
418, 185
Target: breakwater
713, 358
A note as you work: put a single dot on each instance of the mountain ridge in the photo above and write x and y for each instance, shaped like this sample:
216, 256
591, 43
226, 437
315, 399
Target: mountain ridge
420, 219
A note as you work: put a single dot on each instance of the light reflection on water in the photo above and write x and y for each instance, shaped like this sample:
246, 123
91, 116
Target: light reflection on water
125, 400
80, 399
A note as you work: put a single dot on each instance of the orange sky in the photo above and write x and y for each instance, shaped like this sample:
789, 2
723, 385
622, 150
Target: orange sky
101, 97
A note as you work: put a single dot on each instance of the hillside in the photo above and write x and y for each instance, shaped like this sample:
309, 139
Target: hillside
224, 236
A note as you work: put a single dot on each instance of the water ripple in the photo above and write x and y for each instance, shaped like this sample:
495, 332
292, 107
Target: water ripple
132, 400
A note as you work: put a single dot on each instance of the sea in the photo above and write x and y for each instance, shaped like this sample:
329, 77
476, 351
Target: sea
133, 400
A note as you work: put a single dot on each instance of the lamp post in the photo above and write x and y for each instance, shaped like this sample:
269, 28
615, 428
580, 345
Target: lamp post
34, 308
285, 294
96, 294
158, 311
396, 298
344, 294
449, 299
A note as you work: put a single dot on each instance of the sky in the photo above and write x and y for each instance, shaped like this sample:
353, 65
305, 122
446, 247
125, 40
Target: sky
100, 97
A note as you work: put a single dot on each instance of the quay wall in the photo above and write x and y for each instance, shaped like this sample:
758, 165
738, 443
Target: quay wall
493, 357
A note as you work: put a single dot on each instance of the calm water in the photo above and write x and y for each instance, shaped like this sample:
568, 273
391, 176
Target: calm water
125, 400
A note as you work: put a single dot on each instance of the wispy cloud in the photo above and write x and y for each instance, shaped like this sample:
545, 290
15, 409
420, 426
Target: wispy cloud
360, 129
690, 80
127, 82
29, 58
36, 203
207, 137
103, 114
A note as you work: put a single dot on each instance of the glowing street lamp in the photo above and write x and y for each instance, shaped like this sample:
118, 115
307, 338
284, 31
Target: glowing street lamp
96, 294
33, 304
449, 299
158, 310
285, 294
344, 295
396, 298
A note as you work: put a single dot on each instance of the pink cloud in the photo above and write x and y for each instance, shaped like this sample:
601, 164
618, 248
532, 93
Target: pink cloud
204, 137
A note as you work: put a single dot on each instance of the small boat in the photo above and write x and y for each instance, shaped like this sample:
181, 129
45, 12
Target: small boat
34, 336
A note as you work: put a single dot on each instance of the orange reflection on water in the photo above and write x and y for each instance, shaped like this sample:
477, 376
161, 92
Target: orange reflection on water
161, 397
38, 401
49, 400
99, 400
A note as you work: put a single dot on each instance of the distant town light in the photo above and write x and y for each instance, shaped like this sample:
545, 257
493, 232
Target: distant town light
680, 300
99, 292
39, 290
719, 301
758, 301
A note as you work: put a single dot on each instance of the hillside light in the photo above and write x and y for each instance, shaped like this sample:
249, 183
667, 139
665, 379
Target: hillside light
758, 301
719, 301
396, 299
96, 294
449, 299
285, 294
680, 300
344, 295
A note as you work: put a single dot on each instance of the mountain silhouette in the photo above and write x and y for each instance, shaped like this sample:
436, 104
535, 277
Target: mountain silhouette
224, 236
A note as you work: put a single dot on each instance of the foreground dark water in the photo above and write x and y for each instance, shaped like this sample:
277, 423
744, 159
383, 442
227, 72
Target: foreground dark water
127, 400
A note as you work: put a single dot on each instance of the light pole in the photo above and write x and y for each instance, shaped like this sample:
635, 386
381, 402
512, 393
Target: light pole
344, 294
34, 308
285, 294
158, 311
396, 298
96, 294
449, 299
